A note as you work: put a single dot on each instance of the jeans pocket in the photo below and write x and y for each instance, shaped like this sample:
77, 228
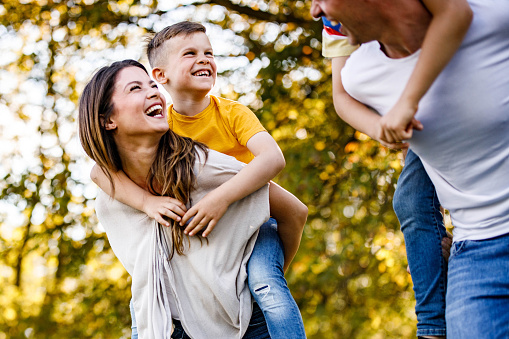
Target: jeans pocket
457, 248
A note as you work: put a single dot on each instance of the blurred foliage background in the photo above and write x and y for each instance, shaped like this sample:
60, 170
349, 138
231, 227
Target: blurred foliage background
58, 275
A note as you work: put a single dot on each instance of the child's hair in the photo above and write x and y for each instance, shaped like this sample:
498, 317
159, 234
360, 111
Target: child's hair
155, 43
171, 173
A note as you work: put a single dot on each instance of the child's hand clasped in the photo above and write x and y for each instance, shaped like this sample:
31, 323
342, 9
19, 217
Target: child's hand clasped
398, 124
205, 214
158, 208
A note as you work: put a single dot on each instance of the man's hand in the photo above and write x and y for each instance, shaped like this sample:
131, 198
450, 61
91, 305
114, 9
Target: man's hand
158, 208
206, 213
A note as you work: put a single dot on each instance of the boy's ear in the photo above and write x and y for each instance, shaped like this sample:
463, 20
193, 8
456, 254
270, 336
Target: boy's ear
159, 76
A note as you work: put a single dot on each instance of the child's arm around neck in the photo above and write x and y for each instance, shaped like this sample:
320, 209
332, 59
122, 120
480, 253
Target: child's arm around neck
450, 22
127, 192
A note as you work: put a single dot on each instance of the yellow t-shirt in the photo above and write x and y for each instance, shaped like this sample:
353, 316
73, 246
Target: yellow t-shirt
224, 126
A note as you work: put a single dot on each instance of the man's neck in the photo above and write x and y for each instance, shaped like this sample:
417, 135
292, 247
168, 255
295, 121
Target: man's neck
405, 28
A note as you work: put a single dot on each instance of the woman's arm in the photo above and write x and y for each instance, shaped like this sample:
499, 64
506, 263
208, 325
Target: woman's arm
291, 215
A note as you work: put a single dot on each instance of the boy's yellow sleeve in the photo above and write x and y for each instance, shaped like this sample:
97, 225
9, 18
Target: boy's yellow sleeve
242, 121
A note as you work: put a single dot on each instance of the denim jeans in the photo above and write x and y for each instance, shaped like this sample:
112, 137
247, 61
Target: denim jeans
269, 289
418, 210
257, 328
478, 291
134, 327
268, 285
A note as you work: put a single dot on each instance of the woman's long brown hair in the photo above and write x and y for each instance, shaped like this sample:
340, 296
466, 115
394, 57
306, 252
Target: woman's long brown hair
171, 173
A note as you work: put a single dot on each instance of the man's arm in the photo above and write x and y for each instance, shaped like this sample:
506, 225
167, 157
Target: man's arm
268, 162
127, 192
450, 22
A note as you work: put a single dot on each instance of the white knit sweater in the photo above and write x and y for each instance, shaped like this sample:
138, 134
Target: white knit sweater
207, 285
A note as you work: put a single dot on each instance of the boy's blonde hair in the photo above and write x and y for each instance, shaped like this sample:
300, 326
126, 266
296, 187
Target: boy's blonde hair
155, 44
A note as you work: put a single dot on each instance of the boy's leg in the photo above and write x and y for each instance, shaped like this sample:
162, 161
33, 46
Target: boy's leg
418, 209
134, 327
478, 291
268, 285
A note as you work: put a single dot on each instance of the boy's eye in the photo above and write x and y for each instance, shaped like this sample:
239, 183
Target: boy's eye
209, 54
189, 53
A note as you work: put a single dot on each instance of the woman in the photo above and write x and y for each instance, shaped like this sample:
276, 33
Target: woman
198, 285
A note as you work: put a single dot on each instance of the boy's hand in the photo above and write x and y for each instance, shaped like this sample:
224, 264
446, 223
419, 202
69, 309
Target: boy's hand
398, 124
158, 207
206, 213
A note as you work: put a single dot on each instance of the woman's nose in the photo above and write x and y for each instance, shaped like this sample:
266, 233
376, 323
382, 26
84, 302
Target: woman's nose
153, 92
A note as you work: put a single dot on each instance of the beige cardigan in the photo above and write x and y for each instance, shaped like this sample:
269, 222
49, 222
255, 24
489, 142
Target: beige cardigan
209, 283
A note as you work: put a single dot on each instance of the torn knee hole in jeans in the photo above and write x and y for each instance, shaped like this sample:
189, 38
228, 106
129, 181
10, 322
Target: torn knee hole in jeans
262, 290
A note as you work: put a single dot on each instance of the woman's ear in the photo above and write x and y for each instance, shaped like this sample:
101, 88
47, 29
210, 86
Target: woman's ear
159, 75
110, 125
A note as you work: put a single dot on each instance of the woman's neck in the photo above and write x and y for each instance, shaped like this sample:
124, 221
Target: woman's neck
137, 160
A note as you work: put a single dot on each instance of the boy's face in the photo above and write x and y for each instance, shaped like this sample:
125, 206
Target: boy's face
189, 65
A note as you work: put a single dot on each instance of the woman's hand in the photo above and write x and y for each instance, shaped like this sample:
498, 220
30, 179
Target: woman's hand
158, 208
206, 213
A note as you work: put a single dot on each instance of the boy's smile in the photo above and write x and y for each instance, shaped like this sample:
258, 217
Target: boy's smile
189, 68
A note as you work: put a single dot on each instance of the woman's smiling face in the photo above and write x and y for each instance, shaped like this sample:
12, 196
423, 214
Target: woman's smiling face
139, 107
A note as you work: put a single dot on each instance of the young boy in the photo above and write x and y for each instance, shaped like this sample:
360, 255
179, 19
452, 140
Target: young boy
182, 61
415, 201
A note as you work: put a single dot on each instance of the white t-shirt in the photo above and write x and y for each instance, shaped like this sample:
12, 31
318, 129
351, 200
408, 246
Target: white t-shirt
464, 146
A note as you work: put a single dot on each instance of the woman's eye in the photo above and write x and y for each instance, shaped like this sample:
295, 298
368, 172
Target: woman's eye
154, 86
134, 88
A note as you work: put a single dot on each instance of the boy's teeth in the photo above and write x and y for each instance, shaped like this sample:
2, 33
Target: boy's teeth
200, 73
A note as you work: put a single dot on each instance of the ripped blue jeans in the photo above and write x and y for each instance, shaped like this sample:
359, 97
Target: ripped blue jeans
268, 286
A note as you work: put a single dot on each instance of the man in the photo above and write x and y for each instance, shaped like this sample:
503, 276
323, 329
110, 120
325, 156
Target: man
464, 142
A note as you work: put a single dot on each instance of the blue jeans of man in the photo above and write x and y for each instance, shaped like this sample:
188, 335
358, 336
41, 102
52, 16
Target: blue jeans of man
418, 210
478, 291
269, 289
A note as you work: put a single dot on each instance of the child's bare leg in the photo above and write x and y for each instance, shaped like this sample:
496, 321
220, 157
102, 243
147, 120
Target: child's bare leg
291, 215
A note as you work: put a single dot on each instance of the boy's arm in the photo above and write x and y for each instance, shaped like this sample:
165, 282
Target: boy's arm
127, 192
355, 113
268, 162
450, 22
